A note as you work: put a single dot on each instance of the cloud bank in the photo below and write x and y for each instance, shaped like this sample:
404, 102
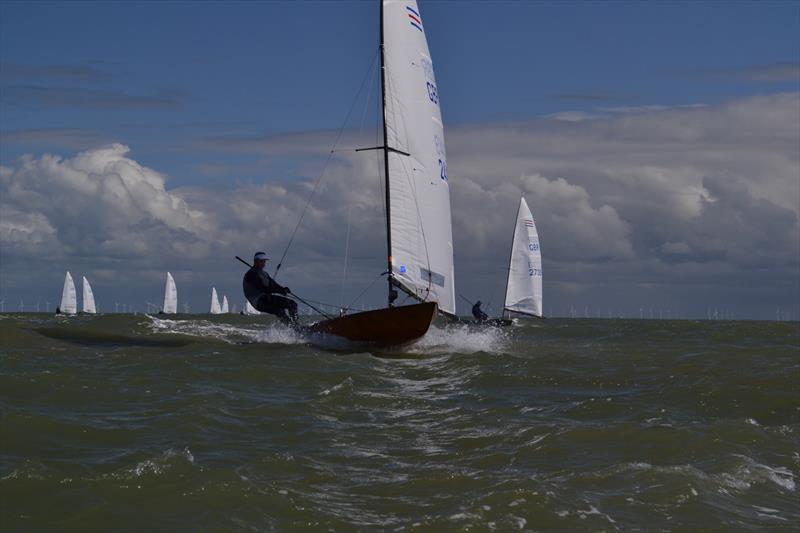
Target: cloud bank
682, 206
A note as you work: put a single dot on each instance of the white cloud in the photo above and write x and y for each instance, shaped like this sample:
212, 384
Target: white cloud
660, 197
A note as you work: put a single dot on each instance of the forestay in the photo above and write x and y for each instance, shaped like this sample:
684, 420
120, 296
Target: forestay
69, 299
524, 289
170, 296
88, 298
420, 228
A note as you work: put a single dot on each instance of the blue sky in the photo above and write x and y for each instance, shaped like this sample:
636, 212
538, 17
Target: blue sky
170, 80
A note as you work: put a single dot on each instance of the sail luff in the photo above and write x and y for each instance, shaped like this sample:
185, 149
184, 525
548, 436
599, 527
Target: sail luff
69, 298
88, 298
390, 275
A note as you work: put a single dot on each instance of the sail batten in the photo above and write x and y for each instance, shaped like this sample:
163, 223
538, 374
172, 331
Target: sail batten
170, 296
524, 287
420, 228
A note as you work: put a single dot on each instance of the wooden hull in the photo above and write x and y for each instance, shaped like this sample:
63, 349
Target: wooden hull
382, 327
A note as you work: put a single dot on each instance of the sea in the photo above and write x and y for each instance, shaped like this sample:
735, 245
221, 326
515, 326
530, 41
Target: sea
144, 423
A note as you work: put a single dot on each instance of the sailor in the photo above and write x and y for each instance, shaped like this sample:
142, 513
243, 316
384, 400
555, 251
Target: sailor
479, 315
265, 294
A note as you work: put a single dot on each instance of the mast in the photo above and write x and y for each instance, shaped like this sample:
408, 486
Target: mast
510, 255
391, 292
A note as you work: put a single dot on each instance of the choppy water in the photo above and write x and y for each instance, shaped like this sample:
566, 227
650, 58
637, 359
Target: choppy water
231, 423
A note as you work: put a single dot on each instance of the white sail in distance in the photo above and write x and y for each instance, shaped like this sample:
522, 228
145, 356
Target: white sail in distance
224, 308
89, 305
249, 309
524, 288
421, 235
69, 299
170, 296
215, 307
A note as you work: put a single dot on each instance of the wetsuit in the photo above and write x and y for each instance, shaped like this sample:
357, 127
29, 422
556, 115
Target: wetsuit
479, 315
265, 295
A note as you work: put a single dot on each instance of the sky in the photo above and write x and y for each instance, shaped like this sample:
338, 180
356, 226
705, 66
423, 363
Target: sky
657, 143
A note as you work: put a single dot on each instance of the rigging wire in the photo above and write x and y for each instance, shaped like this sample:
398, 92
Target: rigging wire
325, 166
365, 290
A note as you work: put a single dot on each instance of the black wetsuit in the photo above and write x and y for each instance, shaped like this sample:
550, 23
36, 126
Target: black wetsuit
479, 315
266, 295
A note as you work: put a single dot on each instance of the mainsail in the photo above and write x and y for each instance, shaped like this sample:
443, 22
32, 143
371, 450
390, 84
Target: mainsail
224, 308
88, 298
215, 307
419, 227
170, 296
524, 288
69, 300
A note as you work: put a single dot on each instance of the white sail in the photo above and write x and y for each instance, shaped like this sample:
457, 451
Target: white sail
170, 296
524, 288
69, 299
88, 298
224, 308
421, 233
215, 307
249, 309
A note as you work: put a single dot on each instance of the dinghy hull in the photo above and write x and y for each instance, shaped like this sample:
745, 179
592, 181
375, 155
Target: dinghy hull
382, 327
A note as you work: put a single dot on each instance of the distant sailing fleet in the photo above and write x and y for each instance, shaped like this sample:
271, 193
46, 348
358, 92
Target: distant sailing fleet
69, 299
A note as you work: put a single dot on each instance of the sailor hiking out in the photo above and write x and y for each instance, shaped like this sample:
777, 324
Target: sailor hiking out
478, 313
265, 294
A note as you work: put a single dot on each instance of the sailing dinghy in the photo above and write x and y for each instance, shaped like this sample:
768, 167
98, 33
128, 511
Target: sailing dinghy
215, 307
524, 282
69, 299
248, 309
224, 308
418, 224
89, 305
170, 306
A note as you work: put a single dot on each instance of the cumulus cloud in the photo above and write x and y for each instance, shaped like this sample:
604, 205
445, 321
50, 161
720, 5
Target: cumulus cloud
98, 203
646, 200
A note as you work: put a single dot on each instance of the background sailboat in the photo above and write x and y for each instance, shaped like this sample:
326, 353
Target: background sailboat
215, 307
524, 284
224, 308
170, 296
418, 225
89, 305
248, 309
69, 299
